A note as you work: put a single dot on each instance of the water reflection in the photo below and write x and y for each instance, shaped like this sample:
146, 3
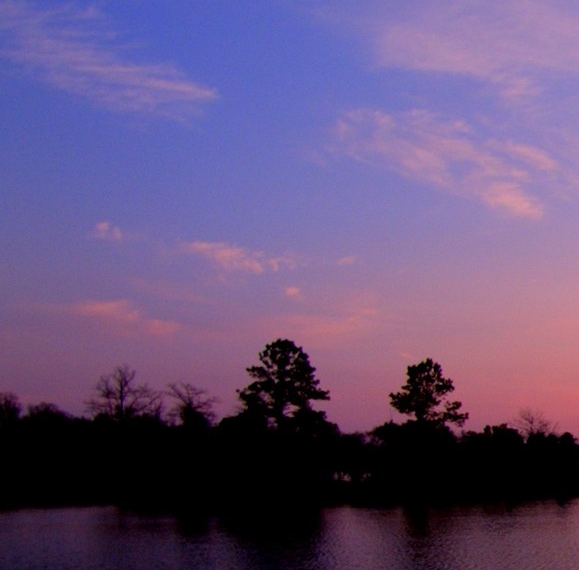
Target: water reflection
533, 537
269, 540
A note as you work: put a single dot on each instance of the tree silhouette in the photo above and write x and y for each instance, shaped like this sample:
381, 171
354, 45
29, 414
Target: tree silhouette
47, 413
193, 408
533, 422
424, 396
119, 398
10, 408
284, 387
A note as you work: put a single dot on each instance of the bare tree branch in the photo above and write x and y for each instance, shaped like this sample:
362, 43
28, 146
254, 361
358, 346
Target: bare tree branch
119, 398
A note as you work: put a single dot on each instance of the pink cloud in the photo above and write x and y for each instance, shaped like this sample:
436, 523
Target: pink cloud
324, 330
235, 258
69, 49
511, 45
509, 197
122, 318
107, 232
347, 260
445, 154
293, 292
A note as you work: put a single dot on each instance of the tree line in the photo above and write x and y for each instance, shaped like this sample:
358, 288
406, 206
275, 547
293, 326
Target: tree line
277, 452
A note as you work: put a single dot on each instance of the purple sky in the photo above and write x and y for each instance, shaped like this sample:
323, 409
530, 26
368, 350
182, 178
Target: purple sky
184, 182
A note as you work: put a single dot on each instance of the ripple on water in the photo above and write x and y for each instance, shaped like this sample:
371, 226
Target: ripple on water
540, 536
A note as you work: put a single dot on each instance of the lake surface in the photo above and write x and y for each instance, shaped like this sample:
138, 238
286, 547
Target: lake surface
532, 537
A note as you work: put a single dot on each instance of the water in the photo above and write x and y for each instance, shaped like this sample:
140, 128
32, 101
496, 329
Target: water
533, 537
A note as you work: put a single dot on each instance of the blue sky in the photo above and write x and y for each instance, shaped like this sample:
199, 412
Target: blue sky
184, 182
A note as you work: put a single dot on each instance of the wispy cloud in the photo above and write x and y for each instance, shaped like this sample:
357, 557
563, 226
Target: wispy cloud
71, 49
346, 260
326, 330
509, 44
234, 258
122, 318
445, 154
293, 292
107, 232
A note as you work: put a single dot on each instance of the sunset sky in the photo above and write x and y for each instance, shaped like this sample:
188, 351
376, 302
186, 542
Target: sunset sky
381, 182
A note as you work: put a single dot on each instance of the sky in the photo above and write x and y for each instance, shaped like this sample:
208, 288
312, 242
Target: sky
380, 182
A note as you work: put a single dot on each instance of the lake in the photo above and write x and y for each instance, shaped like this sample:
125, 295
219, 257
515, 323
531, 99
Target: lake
537, 536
